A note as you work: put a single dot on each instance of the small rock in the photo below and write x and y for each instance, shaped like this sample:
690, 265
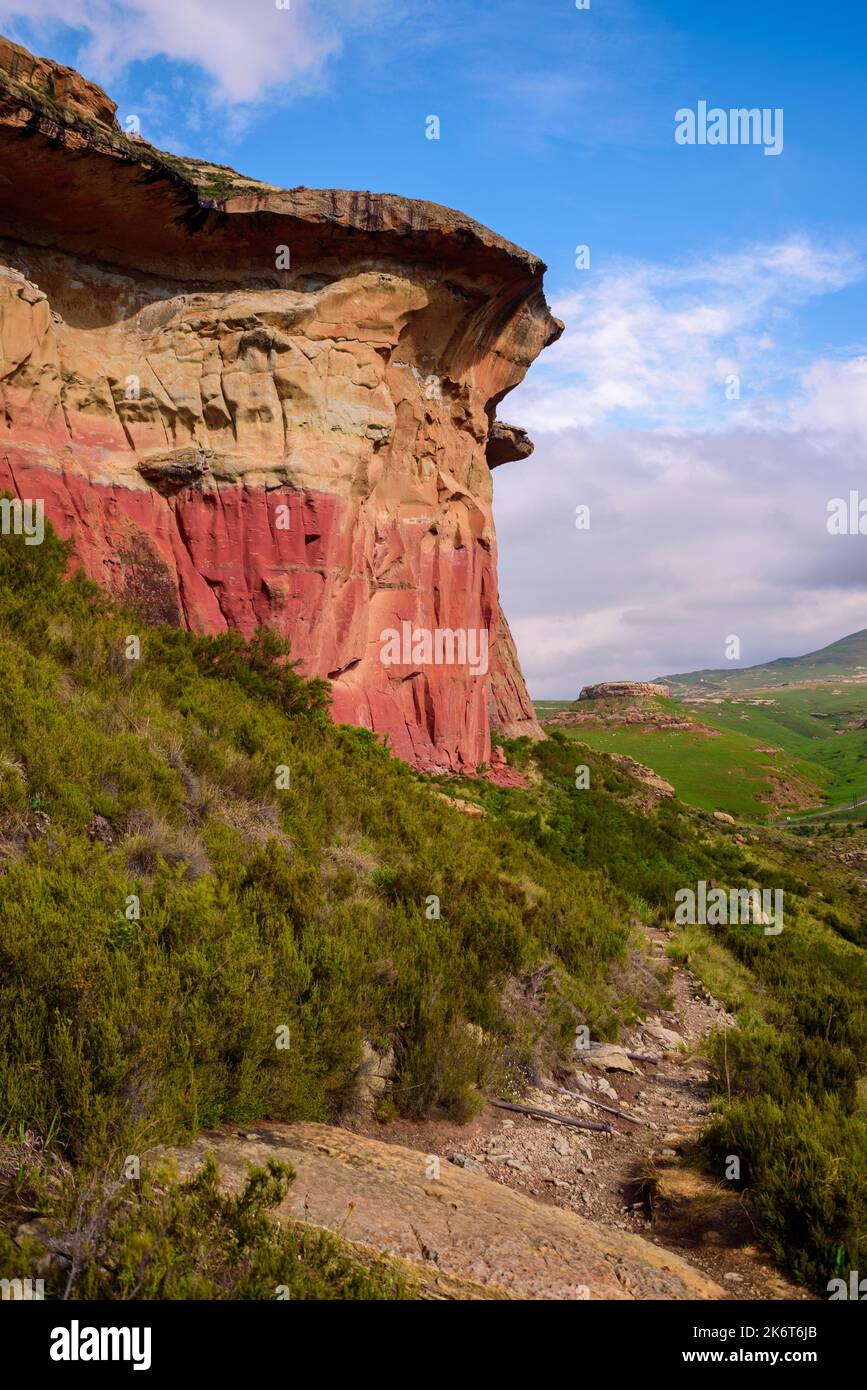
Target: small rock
472, 1165
560, 1144
372, 1077
734, 1278
469, 808
663, 1035
100, 830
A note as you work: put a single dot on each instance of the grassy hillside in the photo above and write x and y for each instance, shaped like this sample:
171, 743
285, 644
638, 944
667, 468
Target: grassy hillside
845, 658
197, 868
712, 763
811, 707
171, 910
819, 726
769, 753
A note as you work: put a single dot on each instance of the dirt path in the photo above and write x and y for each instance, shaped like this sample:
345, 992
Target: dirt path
644, 1178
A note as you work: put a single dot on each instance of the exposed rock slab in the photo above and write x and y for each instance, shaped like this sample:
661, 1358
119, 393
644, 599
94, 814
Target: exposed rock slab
466, 1235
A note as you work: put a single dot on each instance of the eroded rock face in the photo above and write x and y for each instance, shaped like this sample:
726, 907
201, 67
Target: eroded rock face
230, 442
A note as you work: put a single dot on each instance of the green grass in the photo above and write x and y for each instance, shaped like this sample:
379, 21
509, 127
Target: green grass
823, 759
724, 771
830, 747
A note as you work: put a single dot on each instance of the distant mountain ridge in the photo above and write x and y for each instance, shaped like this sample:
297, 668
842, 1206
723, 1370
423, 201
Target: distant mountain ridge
844, 658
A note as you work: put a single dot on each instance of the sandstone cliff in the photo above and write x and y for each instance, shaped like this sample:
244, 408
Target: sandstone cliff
249, 405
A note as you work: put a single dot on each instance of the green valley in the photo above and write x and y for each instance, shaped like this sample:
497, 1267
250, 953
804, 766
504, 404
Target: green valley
788, 738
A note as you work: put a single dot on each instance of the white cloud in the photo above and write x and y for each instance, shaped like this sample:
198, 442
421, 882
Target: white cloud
693, 536
708, 515
644, 342
835, 397
249, 49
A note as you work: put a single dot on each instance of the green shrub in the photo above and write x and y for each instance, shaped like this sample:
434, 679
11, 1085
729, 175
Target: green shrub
803, 1164
191, 1240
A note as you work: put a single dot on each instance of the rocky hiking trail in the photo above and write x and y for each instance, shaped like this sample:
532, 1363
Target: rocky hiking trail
641, 1178
518, 1206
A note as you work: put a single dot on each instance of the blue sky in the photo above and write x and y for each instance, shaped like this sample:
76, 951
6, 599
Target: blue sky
557, 129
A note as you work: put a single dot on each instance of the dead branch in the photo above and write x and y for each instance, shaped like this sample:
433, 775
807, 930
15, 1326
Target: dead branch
579, 1095
551, 1115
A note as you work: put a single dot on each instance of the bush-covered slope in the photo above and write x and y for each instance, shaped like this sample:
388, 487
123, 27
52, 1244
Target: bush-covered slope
168, 904
210, 896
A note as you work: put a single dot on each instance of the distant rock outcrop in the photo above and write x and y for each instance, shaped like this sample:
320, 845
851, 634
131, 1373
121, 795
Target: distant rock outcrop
621, 690
656, 787
255, 406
